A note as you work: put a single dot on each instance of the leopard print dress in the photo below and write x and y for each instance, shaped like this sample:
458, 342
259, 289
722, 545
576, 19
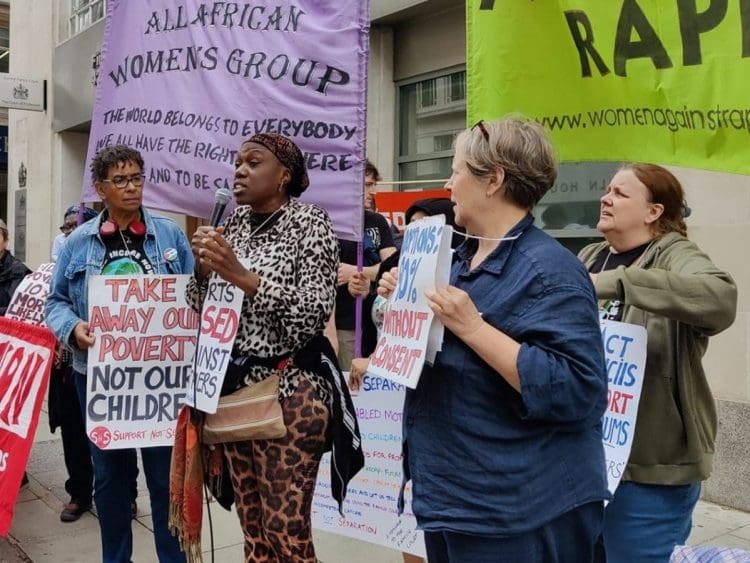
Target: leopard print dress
296, 258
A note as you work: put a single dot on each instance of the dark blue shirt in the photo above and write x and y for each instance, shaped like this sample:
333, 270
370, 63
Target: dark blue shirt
483, 458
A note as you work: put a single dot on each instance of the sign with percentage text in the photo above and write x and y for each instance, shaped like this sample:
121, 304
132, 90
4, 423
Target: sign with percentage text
403, 344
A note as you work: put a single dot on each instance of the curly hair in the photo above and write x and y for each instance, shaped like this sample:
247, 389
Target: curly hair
111, 156
517, 146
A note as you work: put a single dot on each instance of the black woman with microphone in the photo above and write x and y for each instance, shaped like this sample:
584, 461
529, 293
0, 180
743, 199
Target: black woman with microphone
289, 289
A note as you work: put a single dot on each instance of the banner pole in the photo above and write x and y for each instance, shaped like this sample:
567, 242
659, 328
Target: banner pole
357, 311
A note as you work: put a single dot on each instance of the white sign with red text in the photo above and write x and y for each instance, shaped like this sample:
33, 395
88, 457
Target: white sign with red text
220, 320
625, 356
403, 342
141, 362
26, 353
27, 303
371, 507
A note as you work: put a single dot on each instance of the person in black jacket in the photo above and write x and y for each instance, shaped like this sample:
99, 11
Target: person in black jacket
12, 270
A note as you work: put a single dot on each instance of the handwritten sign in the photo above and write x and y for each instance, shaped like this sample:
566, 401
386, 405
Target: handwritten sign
625, 352
403, 343
220, 320
370, 508
185, 82
27, 303
141, 363
26, 354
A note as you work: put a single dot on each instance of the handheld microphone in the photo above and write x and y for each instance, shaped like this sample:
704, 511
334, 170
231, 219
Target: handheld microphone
221, 198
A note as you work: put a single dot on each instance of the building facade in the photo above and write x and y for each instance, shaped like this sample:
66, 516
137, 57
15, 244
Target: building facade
4, 65
416, 104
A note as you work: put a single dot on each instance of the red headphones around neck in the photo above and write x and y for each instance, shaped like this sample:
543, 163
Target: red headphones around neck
136, 228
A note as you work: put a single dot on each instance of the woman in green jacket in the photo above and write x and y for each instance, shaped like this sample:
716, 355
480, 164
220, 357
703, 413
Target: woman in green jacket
648, 273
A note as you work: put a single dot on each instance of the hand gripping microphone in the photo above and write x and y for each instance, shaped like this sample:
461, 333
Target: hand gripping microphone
221, 198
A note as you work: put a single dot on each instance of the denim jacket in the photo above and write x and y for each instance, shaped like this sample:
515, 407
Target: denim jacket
82, 256
485, 459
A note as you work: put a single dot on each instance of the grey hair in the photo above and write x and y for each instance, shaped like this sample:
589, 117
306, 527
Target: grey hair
518, 146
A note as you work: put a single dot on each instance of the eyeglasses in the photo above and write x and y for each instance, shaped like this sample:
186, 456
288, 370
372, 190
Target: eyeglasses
482, 128
121, 182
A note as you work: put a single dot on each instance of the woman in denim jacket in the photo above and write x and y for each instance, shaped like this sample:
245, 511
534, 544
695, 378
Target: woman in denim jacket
125, 238
503, 439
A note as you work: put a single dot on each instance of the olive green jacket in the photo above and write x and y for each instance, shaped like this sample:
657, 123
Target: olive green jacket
682, 298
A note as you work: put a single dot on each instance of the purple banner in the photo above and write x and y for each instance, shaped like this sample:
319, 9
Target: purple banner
186, 82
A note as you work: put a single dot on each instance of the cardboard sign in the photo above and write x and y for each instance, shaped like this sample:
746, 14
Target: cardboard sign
27, 303
26, 356
141, 362
220, 320
403, 343
370, 508
625, 353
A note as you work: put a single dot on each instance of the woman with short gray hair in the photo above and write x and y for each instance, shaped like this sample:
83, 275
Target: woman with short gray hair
503, 437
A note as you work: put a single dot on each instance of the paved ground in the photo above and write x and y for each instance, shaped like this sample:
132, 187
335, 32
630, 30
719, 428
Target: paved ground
38, 535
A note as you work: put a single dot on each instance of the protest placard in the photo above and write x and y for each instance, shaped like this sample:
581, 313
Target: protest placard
625, 356
370, 508
220, 320
402, 344
26, 355
141, 361
186, 82
27, 303
643, 72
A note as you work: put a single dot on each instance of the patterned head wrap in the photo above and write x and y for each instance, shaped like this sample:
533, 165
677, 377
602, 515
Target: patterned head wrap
289, 155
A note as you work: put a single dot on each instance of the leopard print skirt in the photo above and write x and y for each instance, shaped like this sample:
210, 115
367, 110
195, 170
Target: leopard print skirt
274, 482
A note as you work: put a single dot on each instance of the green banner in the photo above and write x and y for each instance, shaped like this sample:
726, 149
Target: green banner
664, 81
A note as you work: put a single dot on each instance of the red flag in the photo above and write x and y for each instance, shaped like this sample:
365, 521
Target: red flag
26, 356
394, 204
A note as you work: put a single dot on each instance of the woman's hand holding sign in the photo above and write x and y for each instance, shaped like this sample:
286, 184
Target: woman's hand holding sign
388, 283
84, 338
452, 306
455, 309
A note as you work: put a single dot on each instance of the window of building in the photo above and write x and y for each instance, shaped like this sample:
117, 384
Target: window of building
4, 37
432, 111
83, 13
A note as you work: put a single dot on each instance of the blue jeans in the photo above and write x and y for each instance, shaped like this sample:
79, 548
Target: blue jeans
112, 496
645, 522
573, 537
